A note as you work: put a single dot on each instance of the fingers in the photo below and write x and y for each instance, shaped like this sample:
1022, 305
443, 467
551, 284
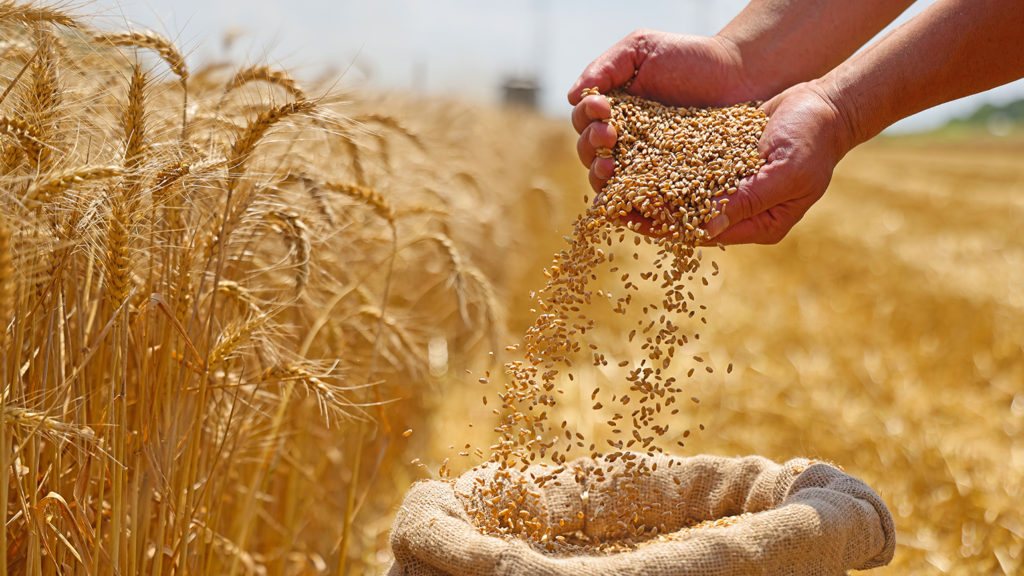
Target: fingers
601, 169
596, 183
613, 68
590, 109
595, 136
588, 118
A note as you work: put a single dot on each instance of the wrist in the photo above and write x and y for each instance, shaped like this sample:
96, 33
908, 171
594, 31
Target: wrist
738, 85
757, 76
847, 122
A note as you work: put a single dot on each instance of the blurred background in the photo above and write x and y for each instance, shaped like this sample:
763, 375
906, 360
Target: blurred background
476, 50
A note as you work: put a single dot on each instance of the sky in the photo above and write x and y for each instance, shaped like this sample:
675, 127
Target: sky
445, 47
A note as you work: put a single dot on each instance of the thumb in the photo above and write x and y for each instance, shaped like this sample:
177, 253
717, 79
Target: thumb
753, 196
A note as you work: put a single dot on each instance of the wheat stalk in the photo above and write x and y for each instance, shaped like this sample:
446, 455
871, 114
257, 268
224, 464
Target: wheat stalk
329, 402
240, 294
8, 281
11, 50
167, 177
391, 123
463, 275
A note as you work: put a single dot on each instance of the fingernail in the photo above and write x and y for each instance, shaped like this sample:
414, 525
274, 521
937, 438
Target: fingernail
717, 226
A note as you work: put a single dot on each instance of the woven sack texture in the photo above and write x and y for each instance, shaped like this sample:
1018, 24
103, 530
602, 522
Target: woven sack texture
807, 518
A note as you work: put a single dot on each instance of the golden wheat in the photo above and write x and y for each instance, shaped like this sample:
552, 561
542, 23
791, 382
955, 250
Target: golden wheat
182, 308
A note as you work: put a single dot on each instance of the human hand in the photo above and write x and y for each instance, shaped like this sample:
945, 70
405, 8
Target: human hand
806, 136
675, 69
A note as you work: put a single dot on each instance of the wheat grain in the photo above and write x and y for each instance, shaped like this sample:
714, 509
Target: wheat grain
229, 341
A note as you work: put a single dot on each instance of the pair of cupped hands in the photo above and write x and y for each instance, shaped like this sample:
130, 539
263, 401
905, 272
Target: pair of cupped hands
801, 143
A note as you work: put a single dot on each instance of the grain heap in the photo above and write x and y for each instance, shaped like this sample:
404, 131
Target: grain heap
671, 163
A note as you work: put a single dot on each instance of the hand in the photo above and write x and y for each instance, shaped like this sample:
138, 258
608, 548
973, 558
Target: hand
674, 69
805, 138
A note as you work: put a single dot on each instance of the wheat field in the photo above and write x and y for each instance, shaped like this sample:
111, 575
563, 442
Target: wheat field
227, 296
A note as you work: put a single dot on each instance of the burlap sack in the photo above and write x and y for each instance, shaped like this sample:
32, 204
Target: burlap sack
808, 519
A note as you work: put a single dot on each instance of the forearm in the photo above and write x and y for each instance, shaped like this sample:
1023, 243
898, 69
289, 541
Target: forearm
784, 42
953, 49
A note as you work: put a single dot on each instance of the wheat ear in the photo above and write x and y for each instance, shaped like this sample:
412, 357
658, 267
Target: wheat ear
366, 195
27, 135
118, 262
43, 192
31, 14
149, 40
246, 143
45, 96
296, 235
269, 75
134, 124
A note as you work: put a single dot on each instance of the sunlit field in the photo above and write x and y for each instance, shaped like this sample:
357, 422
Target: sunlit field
227, 297
885, 335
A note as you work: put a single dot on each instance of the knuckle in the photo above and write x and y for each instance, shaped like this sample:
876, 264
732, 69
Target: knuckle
640, 34
640, 41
